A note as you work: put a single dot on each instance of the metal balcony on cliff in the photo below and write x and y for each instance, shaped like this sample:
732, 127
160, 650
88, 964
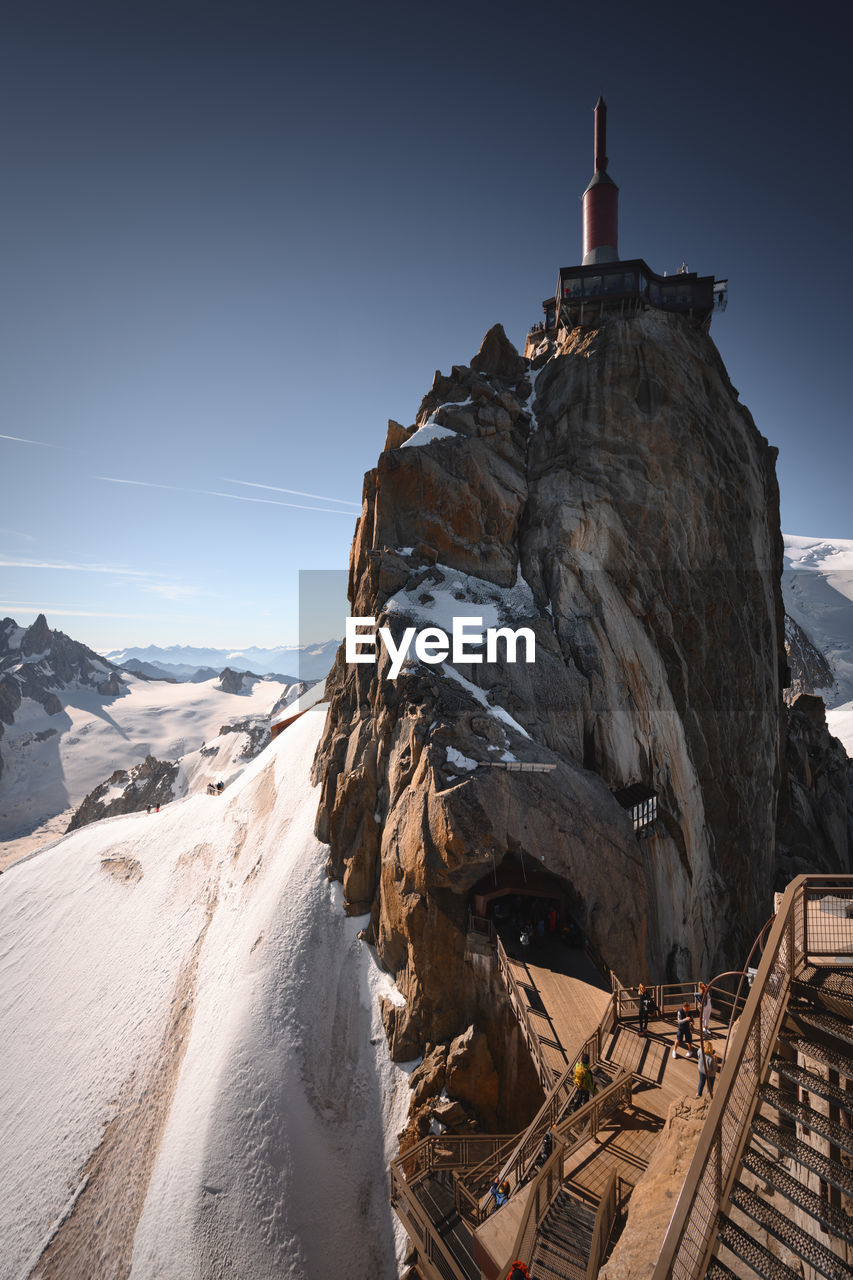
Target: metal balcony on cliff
642, 804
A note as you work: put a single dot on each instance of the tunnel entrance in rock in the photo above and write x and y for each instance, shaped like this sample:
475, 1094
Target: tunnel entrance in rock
529, 907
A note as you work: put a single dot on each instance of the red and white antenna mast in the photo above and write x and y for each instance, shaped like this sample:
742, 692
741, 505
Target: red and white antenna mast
600, 201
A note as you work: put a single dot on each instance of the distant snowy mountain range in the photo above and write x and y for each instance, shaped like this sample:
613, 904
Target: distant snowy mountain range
75, 726
182, 662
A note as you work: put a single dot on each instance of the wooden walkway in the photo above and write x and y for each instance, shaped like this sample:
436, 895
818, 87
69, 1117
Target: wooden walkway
627, 1142
567, 995
565, 992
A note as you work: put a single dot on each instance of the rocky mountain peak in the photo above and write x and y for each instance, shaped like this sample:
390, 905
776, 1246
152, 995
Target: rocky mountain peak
39, 664
37, 637
611, 494
498, 356
231, 681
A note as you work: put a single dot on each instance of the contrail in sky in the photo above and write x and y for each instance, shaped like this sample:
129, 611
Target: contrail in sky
62, 612
297, 492
235, 497
42, 444
6, 562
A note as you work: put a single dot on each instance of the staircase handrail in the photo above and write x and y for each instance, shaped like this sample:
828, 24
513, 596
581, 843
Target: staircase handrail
572, 1130
547, 1077
690, 1238
668, 997
445, 1151
568, 1137
527, 1145
605, 1216
419, 1226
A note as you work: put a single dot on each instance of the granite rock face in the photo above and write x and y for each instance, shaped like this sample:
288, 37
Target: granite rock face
815, 828
147, 785
653, 1200
36, 661
613, 496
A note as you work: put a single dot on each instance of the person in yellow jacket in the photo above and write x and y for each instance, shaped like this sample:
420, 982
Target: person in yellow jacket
584, 1080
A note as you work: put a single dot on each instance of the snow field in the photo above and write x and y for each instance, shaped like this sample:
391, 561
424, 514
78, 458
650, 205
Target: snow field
190, 977
97, 735
840, 722
817, 584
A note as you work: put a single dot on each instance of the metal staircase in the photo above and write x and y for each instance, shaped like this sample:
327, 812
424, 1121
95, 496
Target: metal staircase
564, 1240
436, 1193
770, 1190
794, 1143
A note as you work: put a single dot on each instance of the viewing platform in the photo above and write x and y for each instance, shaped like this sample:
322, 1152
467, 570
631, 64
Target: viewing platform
564, 1198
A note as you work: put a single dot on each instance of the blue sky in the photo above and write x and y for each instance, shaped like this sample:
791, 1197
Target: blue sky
236, 239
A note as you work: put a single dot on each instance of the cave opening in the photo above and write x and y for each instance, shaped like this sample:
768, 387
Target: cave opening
530, 908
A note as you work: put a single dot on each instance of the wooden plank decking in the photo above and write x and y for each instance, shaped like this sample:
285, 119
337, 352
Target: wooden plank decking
627, 1142
565, 994
568, 996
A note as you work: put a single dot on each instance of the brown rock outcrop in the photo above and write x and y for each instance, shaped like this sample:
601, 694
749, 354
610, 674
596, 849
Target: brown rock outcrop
616, 499
471, 1075
815, 825
654, 1197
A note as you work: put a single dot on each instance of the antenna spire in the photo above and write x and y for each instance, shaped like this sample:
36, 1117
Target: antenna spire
600, 200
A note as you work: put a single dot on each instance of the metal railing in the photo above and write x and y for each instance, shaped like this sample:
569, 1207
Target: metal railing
811, 927
585, 1123
569, 1136
448, 1152
668, 997
548, 1182
605, 1216
525, 1148
535, 1039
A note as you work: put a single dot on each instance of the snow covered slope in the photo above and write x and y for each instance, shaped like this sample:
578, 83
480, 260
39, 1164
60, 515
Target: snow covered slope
195, 1079
817, 584
53, 761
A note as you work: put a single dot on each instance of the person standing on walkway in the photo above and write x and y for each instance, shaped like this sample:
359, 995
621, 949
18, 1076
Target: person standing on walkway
703, 1001
707, 1061
684, 1031
584, 1081
645, 1004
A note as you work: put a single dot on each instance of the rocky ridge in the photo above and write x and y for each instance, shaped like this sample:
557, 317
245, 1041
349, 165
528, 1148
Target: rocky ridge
147, 785
810, 669
35, 662
612, 494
